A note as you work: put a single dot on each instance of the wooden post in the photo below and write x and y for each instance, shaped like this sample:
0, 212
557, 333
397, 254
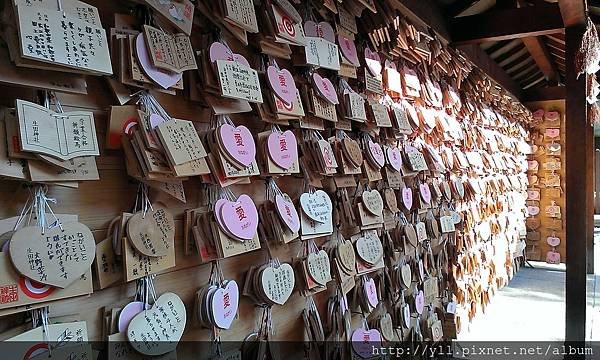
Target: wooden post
597, 180
578, 183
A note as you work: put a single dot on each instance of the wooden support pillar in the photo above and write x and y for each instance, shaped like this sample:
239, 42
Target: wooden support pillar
578, 184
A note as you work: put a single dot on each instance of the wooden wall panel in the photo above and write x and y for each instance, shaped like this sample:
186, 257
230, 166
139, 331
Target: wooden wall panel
98, 202
545, 200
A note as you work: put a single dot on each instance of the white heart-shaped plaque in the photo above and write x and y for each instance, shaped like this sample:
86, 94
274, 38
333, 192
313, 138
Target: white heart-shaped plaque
158, 330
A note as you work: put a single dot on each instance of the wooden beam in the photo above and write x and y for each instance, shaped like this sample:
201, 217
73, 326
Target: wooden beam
543, 94
491, 68
573, 12
458, 7
507, 24
578, 182
540, 54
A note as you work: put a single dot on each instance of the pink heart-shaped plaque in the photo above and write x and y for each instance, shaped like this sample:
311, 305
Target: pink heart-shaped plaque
373, 62
348, 49
282, 83
532, 164
552, 133
552, 116
394, 157
376, 153
218, 51
371, 292
224, 304
283, 148
419, 302
364, 341
533, 210
325, 88
165, 79
238, 143
129, 312
538, 115
156, 120
322, 30
240, 217
553, 240
553, 257
533, 194
425, 192
407, 197
218, 207
287, 212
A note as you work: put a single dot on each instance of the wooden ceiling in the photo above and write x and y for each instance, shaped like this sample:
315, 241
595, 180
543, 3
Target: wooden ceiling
533, 59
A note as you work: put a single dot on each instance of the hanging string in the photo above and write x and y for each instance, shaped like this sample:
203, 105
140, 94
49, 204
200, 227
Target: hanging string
142, 200
27, 208
40, 204
150, 105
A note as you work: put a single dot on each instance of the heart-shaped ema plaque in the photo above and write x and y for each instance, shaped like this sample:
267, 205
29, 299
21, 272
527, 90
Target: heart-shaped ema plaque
552, 116
165, 79
152, 234
373, 202
319, 267
224, 304
322, 30
369, 248
373, 61
394, 157
406, 275
239, 218
287, 212
58, 257
348, 49
158, 330
325, 88
346, 256
364, 341
156, 120
391, 200
553, 257
278, 283
283, 148
459, 188
421, 230
352, 151
317, 206
425, 192
375, 154
128, 312
407, 198
387, 327
370, 289
218, 51
533, 210
238, 143
553, 241
419, 302
282, 83
5, 241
